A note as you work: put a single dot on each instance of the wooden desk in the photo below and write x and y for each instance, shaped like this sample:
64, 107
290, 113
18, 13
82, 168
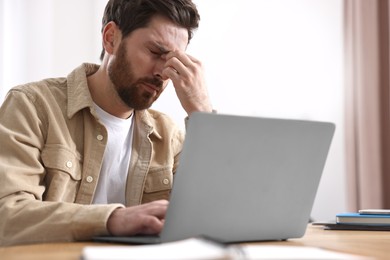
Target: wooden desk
374, 244
366, 243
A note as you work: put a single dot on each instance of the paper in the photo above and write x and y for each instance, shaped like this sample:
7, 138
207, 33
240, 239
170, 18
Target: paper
199, 249
192, 248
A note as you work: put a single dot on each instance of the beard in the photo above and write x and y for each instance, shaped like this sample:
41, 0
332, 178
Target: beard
128, 87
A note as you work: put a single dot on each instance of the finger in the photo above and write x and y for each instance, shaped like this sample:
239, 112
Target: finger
175, 64
156, 208
162, 202
186, 59
152, 225
171, 73
155, 202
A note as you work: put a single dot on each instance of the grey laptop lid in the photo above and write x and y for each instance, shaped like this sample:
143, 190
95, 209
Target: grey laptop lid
246, 178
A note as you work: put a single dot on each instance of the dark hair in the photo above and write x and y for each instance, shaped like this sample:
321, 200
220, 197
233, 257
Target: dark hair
130, 15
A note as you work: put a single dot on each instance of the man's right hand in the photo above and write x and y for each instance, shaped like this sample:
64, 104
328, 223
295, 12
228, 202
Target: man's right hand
142, 219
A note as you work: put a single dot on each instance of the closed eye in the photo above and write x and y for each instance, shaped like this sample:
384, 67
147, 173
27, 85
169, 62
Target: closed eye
156, 53
157, 50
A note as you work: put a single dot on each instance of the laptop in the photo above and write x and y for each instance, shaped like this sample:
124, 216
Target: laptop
243, 179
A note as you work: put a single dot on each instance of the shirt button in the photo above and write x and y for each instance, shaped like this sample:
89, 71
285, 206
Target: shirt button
69, 164
166, 181
89, 179
99, 137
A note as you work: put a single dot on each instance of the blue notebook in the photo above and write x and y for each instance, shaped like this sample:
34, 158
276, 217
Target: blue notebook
363, 219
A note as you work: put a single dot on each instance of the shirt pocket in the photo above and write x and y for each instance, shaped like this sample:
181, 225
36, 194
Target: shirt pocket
158, 184
63, 173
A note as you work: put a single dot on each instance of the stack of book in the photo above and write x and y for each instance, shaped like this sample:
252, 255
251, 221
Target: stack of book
365, 219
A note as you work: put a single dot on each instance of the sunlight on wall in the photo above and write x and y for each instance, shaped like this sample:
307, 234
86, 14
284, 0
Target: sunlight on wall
279, 58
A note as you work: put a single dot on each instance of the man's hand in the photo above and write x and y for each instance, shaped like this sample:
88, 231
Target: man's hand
187, 77
142, 219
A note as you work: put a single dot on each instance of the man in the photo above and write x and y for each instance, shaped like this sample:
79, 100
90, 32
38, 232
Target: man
84, 155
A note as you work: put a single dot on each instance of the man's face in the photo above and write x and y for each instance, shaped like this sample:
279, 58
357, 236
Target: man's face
136, 67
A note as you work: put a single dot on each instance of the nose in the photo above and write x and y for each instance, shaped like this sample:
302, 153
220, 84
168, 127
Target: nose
159, 68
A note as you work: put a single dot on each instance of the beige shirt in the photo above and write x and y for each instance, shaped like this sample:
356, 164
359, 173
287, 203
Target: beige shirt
52, 145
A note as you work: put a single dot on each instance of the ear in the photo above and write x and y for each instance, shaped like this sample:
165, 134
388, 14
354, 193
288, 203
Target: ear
111, 37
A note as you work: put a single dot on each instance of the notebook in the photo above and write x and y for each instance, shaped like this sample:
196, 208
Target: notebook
243, 179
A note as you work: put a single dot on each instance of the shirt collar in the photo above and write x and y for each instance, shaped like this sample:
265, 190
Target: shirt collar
79, 96
144, 118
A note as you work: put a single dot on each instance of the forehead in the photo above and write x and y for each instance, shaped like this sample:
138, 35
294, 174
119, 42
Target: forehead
162, 32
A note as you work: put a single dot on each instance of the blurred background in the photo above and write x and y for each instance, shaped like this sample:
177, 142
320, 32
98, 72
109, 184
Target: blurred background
268, 58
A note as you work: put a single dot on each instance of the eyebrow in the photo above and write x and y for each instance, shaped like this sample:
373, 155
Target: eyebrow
161, 48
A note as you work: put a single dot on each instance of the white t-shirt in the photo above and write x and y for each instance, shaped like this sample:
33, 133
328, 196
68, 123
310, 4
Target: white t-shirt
111, 186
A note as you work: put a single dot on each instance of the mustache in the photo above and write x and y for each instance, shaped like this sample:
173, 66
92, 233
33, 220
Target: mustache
158, 83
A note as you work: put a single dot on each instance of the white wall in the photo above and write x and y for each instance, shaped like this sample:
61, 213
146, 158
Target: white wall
276, 58
2, 22
272, 58
45, 38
